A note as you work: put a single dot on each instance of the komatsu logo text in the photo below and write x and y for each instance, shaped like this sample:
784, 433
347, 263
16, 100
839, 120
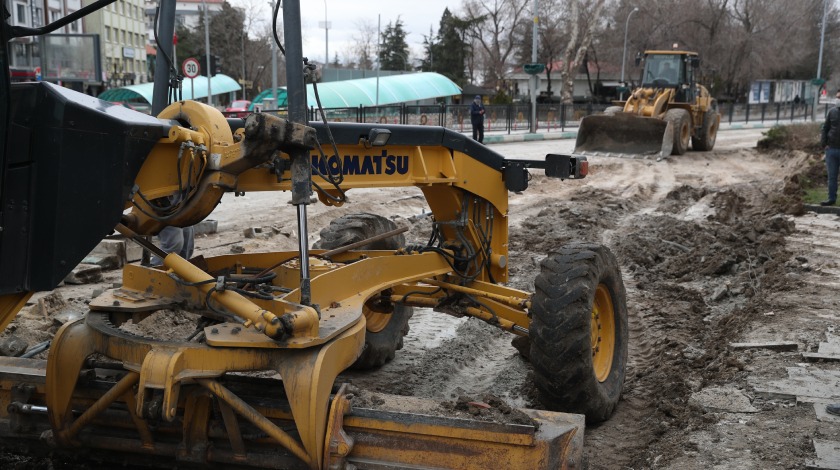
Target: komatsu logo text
363, 164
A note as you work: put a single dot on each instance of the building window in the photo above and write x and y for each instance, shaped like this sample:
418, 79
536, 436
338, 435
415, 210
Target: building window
21, 14
20, 55
74, 27
54, 16
108, 33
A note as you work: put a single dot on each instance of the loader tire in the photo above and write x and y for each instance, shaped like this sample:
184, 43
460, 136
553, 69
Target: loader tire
706, 137
681, 122
352, 228
385, 331
611, 110
579, 331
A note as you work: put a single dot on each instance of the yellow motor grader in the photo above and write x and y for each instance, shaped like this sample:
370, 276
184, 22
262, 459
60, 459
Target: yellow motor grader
660, 118
75, 168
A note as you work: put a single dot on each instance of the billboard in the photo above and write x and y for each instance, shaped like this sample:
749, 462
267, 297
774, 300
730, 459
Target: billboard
71, 57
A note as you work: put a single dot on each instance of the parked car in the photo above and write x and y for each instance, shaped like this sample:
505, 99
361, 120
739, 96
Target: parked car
238, 109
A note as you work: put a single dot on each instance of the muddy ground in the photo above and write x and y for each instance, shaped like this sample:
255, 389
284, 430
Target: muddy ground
715, 249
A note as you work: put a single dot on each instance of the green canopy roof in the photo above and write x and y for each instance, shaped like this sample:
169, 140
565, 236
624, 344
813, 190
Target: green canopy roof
219, 84
362, 92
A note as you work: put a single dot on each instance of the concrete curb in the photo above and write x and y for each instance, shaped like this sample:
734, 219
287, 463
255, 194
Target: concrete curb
823, 209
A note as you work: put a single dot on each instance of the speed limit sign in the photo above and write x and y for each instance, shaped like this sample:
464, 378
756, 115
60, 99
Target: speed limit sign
191, 68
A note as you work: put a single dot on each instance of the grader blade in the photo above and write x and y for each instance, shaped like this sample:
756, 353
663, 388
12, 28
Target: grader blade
210, 433
624, 135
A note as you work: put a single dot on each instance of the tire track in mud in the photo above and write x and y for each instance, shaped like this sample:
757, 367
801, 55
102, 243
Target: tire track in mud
677, 228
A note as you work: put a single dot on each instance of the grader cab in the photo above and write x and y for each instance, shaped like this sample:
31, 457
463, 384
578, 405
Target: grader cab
74, 169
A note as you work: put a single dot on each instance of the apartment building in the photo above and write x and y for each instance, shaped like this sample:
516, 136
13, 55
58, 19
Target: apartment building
187, 14
121, 27
25, 53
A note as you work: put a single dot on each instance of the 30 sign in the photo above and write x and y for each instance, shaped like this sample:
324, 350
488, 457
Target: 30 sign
191, 68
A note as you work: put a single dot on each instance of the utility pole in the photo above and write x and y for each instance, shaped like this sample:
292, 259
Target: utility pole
207, 51
535, 79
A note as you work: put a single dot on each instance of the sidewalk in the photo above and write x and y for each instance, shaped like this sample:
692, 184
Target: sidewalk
571, 133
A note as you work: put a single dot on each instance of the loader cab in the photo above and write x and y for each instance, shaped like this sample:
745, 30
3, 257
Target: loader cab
663, 71
672, 70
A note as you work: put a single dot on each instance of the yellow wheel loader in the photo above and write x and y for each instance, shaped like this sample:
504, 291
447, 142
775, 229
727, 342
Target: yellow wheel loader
75, 168
660, 118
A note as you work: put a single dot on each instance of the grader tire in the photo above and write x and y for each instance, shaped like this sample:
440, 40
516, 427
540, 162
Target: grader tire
681, 123
385, 331
353, 228
706, 137
579, 331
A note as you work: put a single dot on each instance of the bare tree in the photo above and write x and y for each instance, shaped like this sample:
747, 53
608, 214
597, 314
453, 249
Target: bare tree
582, 20
363, 50
494, 25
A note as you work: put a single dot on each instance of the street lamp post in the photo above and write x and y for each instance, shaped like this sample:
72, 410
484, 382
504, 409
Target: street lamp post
326, 25
624, 54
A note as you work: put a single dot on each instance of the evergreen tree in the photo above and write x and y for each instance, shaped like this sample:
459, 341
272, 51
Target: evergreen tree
393, 50
447, 53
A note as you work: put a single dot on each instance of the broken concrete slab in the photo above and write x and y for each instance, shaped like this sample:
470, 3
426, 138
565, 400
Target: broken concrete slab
84, 274
805, 384
49, 304
206, 227
828, 350
67, 316
828, 455
126, 250
771, 345
822, 415
106, 262
723, 399
820, 356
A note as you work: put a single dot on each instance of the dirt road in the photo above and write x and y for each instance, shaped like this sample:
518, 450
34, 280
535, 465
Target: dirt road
709, 250
715, 249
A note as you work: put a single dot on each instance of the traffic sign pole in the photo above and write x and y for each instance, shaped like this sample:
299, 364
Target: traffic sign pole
191, 69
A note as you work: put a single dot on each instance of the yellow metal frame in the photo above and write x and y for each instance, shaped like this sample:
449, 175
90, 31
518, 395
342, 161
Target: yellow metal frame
308, 345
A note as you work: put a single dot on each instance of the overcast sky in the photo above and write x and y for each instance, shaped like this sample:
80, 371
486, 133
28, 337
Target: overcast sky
344, 15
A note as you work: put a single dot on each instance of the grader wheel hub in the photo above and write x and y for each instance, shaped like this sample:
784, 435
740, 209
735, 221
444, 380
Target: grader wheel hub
603, 333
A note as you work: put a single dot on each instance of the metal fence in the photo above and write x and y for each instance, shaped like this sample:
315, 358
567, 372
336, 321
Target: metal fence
513, 118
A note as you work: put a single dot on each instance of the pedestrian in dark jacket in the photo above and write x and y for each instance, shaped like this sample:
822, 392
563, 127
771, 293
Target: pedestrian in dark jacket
830, 140
477, 119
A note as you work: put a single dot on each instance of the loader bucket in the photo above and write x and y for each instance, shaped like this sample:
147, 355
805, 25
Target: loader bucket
624, 135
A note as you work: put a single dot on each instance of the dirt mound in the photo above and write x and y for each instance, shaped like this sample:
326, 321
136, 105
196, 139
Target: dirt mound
802, 137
